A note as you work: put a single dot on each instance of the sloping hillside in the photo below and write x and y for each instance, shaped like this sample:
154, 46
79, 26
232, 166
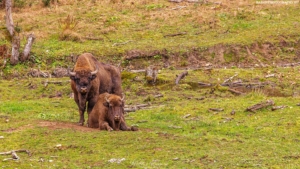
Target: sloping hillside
168, 34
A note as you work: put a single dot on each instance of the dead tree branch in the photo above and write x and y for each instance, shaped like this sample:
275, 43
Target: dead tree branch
123, 43
204, 84
260, 105
138, 71
230, 79
181, 76
8, 18
14, 155
15, 53
135, 107
175, 34
27, 48
278, 107
216, 109
14, 59
235, 91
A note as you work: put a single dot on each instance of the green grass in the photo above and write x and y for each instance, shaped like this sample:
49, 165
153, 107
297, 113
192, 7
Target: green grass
33, 118
144, 25
166, 139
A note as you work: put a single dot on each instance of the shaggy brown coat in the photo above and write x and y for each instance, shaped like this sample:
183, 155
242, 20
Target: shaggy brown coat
91, 78
108, 114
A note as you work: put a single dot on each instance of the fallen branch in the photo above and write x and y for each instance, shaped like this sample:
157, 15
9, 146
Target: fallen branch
175, 34
260, 105
93, 38
270, 75
138, 71
178, 7
123, 43
291, 64
278, 107
216, 109
158, 95
13, 154
135, 107
176, 1
235, 91
181, 76
204, 84
230, 79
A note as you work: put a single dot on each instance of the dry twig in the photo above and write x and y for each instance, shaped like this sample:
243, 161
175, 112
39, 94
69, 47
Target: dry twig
260, 105
181, 76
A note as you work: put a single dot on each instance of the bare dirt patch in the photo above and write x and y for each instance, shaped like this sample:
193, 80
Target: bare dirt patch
65, 125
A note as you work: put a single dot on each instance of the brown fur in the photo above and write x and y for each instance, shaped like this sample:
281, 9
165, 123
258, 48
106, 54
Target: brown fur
107, 79
109, 115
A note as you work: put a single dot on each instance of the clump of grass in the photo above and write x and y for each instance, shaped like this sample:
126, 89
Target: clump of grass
68, 26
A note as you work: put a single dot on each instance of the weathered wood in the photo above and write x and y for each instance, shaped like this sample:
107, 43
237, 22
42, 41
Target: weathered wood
278, 107
216, 109
8, 18
229, 79
10, 152
158, 95
138, 71
123, 43
181, 76
204, 84
133, 108
175, 34
260, 105
14, 59
235, 91
27, 48
176, 1
151, 74
179, 7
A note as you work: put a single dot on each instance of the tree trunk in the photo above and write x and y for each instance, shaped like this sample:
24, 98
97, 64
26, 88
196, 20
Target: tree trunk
27, 48
14, 59
8, 17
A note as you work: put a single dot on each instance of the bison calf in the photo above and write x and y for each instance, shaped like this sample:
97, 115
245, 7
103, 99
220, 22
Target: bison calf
108, 114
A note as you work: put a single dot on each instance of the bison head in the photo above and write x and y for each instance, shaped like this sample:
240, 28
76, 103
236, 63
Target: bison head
83, 80
115, 105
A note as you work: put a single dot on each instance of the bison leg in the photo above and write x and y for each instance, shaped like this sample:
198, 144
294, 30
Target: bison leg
104, 126
81, 110
81, 114
124, 127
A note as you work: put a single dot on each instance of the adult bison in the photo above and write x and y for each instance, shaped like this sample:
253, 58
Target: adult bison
90, 78
108, 114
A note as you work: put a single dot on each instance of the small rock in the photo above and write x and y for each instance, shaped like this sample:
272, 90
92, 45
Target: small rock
232, 112
58, 145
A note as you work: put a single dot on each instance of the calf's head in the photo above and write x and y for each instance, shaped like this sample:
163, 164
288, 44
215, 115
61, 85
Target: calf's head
83, 80
115, 106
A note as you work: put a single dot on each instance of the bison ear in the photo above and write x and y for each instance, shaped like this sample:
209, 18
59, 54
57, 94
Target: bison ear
106, 104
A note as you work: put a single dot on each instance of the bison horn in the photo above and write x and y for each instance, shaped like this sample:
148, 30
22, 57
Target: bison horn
71, 73
123, 97
94, 72
106, 98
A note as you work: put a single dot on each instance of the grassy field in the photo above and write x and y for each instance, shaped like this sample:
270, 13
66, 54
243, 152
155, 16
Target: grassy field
177, 130
109, 29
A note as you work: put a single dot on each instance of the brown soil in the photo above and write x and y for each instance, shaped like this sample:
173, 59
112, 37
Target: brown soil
63, 125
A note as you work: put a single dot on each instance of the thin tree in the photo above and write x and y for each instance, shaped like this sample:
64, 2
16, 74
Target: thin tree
13, 31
